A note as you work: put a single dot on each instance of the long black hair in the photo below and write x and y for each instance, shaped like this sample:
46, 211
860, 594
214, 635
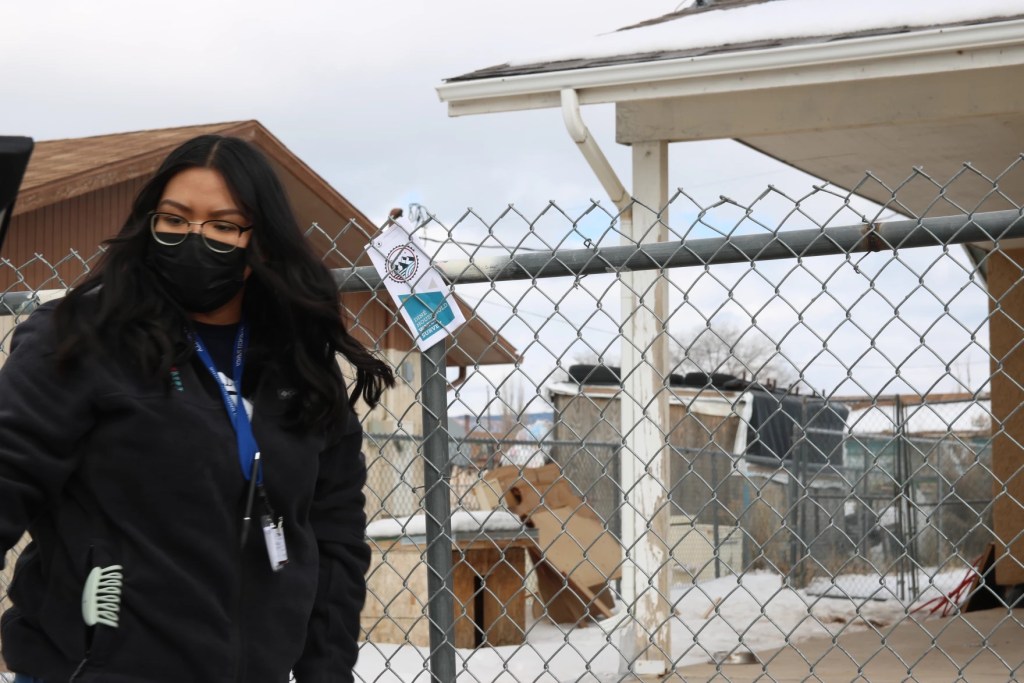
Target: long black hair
291, 302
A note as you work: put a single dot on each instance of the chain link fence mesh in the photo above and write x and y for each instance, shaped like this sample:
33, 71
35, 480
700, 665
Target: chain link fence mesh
820, 388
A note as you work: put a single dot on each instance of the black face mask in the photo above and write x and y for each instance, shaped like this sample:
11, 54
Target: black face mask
199, 279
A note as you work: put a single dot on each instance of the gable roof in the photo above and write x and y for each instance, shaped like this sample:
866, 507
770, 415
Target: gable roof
63, 169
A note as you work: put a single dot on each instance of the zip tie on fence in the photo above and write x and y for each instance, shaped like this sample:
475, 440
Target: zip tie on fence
872, 240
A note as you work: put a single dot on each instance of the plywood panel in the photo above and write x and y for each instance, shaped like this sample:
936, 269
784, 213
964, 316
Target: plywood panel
1006, 329
487, 582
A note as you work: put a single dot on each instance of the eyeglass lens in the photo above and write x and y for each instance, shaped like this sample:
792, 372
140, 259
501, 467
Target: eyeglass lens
171, 229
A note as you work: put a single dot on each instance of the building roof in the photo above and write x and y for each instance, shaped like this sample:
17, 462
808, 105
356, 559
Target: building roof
921, 95
725, 26
63, 169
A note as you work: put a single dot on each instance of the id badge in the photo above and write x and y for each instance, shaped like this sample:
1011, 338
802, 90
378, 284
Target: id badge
273, 534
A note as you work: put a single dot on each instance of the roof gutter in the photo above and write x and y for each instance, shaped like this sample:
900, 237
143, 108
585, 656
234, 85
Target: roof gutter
892, 55
580, 134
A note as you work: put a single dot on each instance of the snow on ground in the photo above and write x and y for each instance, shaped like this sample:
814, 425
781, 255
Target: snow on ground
755, 611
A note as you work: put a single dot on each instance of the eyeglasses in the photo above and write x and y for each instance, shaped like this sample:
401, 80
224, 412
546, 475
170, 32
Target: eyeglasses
220, 236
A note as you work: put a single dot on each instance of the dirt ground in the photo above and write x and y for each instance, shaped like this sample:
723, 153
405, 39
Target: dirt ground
980, 647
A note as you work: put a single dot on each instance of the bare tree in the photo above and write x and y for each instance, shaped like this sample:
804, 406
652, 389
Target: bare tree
588, 356
743, 352
512, 397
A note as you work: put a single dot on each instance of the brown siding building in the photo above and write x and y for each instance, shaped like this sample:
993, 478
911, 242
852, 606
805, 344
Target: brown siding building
78, 192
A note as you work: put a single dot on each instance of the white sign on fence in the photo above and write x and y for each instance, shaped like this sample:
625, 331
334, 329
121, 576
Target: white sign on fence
416, 286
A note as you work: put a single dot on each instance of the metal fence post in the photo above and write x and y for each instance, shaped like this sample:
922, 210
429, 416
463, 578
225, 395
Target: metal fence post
793, 514
715, 508
901, 493
437, 505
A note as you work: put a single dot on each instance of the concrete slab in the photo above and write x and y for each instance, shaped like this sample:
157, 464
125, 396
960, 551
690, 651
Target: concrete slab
980, 647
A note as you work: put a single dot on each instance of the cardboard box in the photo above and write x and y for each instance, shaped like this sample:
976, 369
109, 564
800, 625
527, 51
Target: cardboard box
490, 492
575, 555
533, 488
563, 600
577, 546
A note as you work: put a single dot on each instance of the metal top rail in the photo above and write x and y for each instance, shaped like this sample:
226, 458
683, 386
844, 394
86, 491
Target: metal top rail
860, 238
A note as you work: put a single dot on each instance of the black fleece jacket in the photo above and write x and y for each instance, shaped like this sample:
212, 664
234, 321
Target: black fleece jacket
105, 469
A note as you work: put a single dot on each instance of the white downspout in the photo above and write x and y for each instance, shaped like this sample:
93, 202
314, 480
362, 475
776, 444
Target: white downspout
580, 134
609, 180
646, 643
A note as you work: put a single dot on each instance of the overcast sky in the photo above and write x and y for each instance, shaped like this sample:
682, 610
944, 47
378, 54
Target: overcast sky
349, 87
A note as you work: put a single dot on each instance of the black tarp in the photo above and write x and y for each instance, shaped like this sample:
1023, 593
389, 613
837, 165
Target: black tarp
787, 427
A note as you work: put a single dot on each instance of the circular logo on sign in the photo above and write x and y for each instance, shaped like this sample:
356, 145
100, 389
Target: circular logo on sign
402, 263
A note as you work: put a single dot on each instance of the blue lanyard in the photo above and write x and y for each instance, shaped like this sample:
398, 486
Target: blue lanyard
248, 450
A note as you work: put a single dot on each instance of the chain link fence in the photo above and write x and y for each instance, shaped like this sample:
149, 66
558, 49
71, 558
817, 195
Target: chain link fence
755, 431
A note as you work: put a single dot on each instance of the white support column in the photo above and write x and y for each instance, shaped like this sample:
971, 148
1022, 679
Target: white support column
645, 420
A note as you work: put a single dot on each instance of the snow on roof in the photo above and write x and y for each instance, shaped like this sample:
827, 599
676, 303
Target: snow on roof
758, 26
930, 418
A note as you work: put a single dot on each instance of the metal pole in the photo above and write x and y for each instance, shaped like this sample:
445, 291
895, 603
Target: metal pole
801, 508
903, 234
437, 504
940, 522
715, 539
794, 501
911, 498
901, 526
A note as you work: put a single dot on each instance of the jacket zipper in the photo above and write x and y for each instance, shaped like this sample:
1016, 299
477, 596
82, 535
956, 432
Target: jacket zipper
238, 635
80, 669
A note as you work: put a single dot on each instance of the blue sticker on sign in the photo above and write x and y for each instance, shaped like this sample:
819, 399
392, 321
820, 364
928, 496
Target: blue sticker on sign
429, 312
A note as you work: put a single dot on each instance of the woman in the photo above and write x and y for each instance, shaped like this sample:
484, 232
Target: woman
176, 536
